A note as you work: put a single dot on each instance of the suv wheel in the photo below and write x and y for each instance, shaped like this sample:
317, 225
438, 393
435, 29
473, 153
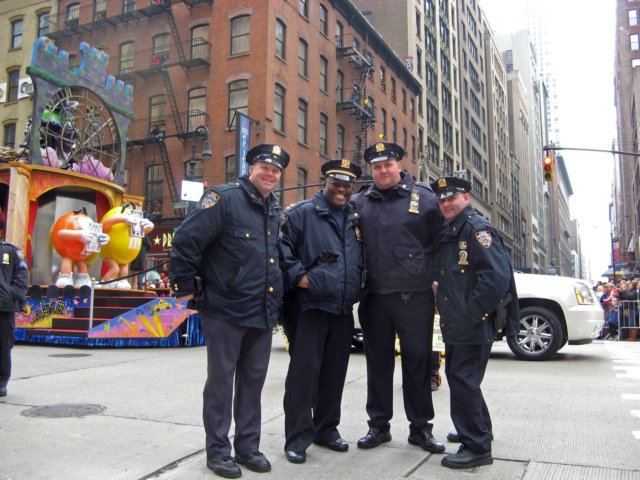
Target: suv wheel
540, 335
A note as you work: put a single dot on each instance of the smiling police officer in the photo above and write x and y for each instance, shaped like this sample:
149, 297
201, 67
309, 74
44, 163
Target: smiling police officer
321, 256
474, 283
231, 243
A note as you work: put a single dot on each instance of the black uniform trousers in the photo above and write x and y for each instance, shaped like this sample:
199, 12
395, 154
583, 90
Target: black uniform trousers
318, 367
7, 327
465, 366
242, 354
411, 317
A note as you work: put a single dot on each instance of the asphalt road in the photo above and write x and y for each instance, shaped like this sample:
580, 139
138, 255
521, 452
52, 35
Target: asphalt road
136, 414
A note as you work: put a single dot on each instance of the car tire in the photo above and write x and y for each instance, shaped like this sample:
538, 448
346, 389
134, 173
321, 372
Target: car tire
540, 335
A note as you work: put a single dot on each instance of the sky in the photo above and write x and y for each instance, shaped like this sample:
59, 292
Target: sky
582, 44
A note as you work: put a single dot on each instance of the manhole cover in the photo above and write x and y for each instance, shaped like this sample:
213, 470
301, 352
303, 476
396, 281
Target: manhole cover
70, 355
64, 410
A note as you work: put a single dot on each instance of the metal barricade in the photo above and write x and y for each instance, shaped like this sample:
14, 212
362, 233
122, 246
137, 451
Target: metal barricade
627, 319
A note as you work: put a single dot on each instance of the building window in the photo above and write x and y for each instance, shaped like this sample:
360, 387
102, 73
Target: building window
10, 135
324, 68
240, 35
418, 24
404, 139
404, 101
324, 130
302, 182
383, 79
128, 6
633, 17
278, 109
383, 122
281, 39
393, 90
157, 109
303, 8
324, 20
12, 85
126, 57
238, 99
340, 86
99, 10
197, 108
303, 49
340, 141
160, 51
339, 34
419, 62
16, 33
412, 110
43, 24
73, 14
394, 130
230, 168
302, 122
155, 180
200, 42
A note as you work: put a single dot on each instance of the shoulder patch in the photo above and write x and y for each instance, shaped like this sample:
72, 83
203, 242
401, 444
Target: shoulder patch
209, 200
484, 238
20, 254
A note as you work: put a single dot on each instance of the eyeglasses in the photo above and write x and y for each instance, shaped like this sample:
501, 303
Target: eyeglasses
339, 183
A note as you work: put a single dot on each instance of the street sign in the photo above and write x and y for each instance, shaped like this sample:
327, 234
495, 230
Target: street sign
176, 205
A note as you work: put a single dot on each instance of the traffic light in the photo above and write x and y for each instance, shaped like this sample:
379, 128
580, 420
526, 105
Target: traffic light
547, 167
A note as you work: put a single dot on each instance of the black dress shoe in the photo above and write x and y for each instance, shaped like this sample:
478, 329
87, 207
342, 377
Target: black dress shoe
296, 457
453, 436
427, 441
224, 467
3, 391
255, 461
373, 438
337, 445
465, 458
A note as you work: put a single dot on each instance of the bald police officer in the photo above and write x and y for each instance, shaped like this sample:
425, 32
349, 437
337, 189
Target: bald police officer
474, 281
231, 243
14, 279
399, 220
321, 256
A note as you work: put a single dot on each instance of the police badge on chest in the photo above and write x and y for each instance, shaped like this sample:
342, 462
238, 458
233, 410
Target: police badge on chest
463, 255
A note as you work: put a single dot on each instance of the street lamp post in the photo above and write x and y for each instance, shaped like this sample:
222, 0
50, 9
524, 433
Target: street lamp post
189, 187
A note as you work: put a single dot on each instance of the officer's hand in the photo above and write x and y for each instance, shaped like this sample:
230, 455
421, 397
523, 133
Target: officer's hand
303, 282
184, 298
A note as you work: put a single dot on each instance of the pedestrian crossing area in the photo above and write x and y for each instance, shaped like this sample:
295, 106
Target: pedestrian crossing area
626, 365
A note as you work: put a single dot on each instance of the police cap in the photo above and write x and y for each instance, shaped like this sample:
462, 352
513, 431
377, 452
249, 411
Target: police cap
341, 169
449, 186
382, 151
268, 153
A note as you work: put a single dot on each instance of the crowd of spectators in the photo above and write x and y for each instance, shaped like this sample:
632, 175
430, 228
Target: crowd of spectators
620, 303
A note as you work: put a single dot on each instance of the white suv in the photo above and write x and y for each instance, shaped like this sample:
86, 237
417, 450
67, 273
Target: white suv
554, 311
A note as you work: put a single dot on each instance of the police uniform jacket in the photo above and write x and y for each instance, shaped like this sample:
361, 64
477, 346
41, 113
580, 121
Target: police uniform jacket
398, 235
14, 278
231, 242
313, 244
473, 276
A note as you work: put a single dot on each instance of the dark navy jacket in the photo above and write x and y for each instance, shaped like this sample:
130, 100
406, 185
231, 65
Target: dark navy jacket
14, 278
398, 243
334, 281
231, 242
473, 275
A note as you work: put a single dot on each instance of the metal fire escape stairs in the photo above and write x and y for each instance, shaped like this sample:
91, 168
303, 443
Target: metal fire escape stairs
357, 104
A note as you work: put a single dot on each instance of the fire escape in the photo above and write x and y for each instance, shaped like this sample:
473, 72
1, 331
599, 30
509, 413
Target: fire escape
357, 103
144, 64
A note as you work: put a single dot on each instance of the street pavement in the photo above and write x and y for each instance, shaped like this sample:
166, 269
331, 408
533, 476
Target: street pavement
135, 414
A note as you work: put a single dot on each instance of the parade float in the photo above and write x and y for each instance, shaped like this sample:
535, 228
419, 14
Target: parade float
62, 196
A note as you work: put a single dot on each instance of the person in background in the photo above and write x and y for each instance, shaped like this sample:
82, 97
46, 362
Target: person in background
399, 220
321, 257
14, 280
230, 244
476, 296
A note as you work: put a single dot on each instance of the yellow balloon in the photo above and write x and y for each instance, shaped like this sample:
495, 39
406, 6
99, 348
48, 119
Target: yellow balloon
122, 247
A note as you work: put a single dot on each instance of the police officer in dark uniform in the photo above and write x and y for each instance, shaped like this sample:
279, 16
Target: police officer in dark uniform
14, 281
399, 220
475, 292
231, 244
321, 256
